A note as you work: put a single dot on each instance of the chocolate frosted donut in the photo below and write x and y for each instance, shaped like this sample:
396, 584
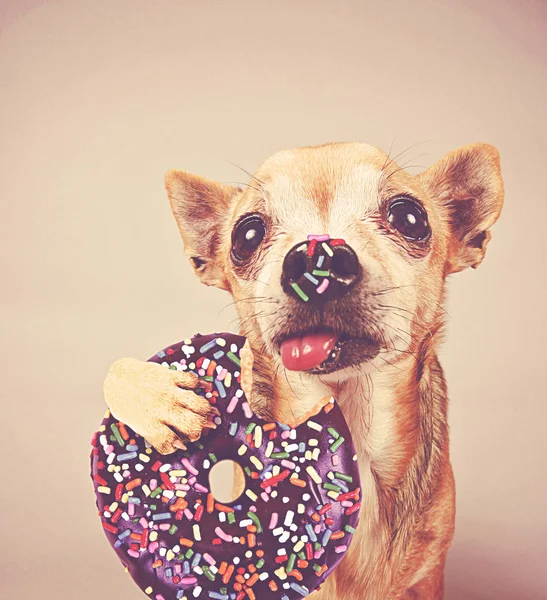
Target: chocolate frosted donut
280, 539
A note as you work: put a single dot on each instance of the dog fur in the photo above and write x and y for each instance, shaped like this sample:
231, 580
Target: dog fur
395, 402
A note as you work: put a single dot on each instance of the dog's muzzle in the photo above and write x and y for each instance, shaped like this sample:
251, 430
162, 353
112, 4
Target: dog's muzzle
320, 269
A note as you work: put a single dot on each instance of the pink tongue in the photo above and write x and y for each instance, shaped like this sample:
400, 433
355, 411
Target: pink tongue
302, 354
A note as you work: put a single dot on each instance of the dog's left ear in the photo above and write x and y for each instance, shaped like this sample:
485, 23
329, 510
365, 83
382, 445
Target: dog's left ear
200, 207
468, 185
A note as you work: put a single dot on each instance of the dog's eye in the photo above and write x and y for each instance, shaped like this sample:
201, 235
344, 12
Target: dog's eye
247, 237
409, 219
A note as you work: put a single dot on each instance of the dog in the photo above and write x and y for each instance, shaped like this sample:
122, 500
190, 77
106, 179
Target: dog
371, 343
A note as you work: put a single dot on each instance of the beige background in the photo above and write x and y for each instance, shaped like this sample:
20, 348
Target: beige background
99, 99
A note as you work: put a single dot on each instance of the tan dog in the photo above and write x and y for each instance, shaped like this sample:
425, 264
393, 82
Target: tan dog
372, 343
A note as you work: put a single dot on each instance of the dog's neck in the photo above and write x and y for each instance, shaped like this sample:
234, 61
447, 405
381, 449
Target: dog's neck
397, 417
381, 406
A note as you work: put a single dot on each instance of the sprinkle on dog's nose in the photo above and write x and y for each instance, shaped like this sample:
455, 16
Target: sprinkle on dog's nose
320, 269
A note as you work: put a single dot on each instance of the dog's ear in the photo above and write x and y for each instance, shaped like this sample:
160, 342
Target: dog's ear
200, 207
468, 185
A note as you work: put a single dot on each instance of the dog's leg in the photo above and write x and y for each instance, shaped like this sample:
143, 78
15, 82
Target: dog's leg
157, 403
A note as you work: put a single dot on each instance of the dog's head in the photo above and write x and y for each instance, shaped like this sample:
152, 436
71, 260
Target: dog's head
387, 239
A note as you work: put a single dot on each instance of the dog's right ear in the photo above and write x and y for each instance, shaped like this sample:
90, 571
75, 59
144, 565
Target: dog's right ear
200, 207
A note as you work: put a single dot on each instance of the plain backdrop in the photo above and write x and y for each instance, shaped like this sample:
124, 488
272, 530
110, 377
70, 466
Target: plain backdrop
98, 99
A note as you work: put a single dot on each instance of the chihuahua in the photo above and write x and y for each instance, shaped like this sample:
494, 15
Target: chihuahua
371, 342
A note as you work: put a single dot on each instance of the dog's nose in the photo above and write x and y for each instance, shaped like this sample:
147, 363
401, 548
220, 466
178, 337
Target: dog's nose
320, 269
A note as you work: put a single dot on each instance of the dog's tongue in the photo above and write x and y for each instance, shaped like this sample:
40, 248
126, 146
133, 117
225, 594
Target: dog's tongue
307, 352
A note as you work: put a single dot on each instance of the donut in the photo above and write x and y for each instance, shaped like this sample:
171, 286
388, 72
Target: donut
279, 539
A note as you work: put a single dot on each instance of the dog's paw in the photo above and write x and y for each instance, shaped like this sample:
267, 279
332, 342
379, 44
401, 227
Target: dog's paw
157, 403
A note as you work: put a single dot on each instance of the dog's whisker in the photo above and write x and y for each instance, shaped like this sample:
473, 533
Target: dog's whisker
247, 185
394, 159
398, 350
395, 309
252, 318
414, 323
253, 177
390, 363
248, 301
388, 155
407, 333
405, 166
255, 299
390, 289
292, 390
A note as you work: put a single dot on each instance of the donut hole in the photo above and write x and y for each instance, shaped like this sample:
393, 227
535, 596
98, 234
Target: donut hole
226, 481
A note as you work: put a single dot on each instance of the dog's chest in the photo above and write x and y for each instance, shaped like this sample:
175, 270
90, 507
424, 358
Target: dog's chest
373, 425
